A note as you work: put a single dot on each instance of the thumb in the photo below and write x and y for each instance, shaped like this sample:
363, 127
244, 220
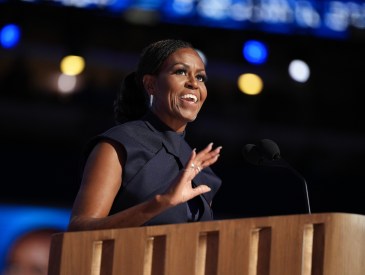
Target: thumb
201, 189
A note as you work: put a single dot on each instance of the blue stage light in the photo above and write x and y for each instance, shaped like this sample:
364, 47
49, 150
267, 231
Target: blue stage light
9, 36
255, 52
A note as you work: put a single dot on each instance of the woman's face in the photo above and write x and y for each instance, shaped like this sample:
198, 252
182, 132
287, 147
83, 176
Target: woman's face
178, 89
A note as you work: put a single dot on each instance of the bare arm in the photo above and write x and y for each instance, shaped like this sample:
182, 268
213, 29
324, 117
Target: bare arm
102, 180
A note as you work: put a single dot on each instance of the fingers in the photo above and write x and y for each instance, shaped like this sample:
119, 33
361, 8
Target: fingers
206, 157
211, 160
191, 169
201, 160
208, 152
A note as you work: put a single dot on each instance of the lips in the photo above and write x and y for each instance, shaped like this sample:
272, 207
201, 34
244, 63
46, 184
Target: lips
190, 97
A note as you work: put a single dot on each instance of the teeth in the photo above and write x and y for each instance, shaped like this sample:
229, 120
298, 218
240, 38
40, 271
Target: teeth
191, 96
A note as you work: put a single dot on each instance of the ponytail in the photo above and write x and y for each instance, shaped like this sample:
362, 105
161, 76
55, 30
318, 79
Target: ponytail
131, 102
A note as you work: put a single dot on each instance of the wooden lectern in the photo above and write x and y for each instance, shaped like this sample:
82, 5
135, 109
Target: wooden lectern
316, 244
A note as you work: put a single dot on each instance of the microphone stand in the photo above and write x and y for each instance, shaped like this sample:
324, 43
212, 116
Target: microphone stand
268, 154
279, 162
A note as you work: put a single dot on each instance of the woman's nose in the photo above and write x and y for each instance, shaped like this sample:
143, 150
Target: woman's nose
191, 83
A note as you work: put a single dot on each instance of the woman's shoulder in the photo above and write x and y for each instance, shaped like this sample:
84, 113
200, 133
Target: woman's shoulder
127, 128
133, 133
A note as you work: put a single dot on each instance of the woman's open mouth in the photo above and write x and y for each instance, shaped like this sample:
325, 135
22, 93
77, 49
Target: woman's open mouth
190, 98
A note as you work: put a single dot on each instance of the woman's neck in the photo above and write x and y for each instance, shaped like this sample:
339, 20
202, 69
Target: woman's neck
173, 124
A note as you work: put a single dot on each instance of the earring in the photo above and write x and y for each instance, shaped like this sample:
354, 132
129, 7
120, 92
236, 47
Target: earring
151, 100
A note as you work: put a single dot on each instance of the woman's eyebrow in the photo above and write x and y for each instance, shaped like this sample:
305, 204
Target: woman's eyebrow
187, 66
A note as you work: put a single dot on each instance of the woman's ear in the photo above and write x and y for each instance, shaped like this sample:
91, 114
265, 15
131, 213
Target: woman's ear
149, 83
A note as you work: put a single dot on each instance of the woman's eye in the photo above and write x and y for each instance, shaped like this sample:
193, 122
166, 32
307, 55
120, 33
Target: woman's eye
181, 71
201, 78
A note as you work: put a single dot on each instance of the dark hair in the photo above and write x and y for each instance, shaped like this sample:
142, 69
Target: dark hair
131, 102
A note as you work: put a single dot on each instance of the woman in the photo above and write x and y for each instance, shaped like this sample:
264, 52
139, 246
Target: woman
142, 171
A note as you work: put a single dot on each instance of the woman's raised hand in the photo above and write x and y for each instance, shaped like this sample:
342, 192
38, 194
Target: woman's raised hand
181, 189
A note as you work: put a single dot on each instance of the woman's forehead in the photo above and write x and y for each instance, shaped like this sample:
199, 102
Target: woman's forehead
186, 56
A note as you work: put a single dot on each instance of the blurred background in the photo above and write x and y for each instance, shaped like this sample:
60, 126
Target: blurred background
287, 70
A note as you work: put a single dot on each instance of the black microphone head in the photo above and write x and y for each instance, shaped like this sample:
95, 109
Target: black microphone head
251, 154
269, 149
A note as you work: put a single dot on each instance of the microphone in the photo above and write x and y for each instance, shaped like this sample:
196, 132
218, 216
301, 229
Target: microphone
267, 153
252, 155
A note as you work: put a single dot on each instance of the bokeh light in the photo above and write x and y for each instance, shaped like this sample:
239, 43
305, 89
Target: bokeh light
9, 36
250, 84
299, 70
202, 56
72, 65
66, 83
255, 52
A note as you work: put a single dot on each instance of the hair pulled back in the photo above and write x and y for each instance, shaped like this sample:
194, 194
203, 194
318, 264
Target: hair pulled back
131, 102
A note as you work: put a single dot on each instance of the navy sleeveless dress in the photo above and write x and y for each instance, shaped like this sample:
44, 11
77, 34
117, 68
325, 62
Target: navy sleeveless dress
153, 156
